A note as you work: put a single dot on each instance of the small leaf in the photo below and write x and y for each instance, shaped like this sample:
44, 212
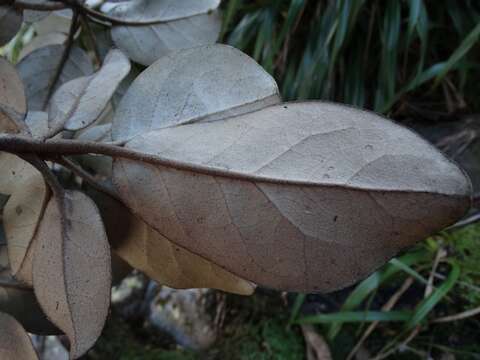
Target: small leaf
171, 25
11, 22
37, 71
72, 269
150, 252
56, 21
14, 341
54, 38
13, 104
79, 102
302, 197
202, 84
37, 122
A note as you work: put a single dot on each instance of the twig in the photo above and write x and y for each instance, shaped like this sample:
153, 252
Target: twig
459, 316
404, 343
91, 36
387, 307
63, 60
86, 176
441, 253
469, 220
47, 174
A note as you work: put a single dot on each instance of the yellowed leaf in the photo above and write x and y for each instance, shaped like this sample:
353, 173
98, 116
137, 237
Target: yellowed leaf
15, 343
148, 251
72, 269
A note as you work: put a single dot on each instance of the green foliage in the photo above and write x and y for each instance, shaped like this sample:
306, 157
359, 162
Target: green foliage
455, 290
383, 55
465, 245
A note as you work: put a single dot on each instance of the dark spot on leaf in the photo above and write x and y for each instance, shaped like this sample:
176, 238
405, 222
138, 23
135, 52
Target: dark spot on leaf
19, 210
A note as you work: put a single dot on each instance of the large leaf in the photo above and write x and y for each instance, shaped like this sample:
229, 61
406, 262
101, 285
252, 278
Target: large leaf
38, 69
13, 104
170, 25
72, 269
79, 102
202, 84
14, 340
303, 196
11, 21
148, 251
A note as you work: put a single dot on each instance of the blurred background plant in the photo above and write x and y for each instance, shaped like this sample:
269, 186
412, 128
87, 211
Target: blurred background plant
400, 57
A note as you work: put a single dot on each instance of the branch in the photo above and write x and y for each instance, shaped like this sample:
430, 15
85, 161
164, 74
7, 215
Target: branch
65, 56
92, 38
86, 176
27, 5
47, 174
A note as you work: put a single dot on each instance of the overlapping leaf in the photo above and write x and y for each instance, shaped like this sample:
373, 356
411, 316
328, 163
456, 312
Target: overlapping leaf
11, 21
21, 302
169, 25
201, 84
22, 212
303, 196
13, 104
53, 38
80, 102
37, 71
148, 251
37, 123
72, 269
55, 21
31, 16
14, 341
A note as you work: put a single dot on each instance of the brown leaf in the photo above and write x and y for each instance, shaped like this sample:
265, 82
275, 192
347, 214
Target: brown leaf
22, 213
72, 269
13, 104
303, 197
150, 252
317, 347
15, 343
